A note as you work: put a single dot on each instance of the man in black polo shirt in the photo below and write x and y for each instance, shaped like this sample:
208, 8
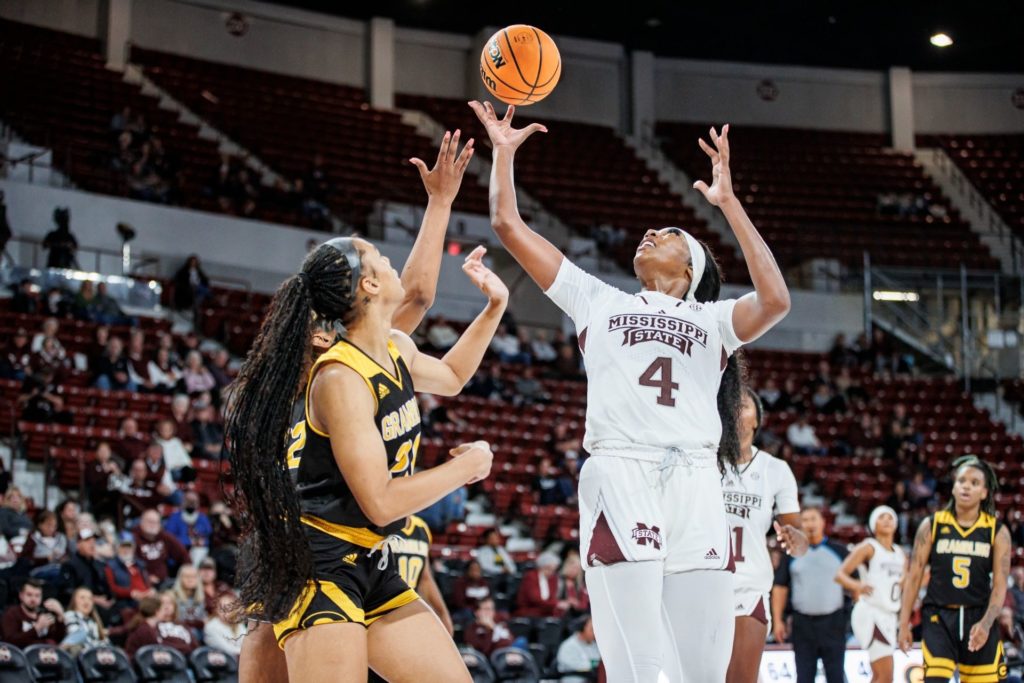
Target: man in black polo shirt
819, 617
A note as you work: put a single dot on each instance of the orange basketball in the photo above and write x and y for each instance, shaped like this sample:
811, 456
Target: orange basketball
520, 65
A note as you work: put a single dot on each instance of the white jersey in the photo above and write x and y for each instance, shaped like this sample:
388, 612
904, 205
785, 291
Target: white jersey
883, 573
760, 490
654, 364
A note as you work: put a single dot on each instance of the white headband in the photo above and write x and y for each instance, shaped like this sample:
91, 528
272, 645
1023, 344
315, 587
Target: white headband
878, 512
699, 259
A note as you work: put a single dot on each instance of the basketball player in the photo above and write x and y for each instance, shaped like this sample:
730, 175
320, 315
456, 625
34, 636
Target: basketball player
317, 525
968, 553
760, 494
662, 404
262, 661
882, 564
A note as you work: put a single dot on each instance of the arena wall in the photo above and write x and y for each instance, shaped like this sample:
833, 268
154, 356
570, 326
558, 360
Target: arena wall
72, 16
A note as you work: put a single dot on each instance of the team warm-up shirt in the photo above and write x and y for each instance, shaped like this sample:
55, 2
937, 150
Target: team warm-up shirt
883, 573
654, 364
754, 495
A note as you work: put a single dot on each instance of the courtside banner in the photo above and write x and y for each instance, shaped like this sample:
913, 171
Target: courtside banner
778, 665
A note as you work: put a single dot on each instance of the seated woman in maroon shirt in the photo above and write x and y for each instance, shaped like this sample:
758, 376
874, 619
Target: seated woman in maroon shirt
158, 625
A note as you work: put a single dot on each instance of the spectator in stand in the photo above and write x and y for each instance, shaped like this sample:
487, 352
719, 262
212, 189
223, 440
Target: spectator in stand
165, 377
41, 399
126, 578
138, 361
220, 369
771, 395
32, 621
197, 377
579, 654
109, 310
26, 298
138, 493
221, 632
485, 633
49, 330
865, 438
572, 587
441, 335
111, 371
191, 286
52, 356
131, 441
529, 389
158, 551
83, 623
468, 591
45, 548
826, 401
60, 243
562, 444
86, 306
157, 625
1017, 591
208, 436
551, 483
18, 356
451, 508
191, 602
67, 521
165, 340
920, 490
174, 453
8, 557
542, 350
212, 588
98, 347
14, 524
181, 413
190, 526
841, 354
83, 568
539, 590
158, 471
225, 526
506, 345
803, 438
567, 365
315, 188
493, 558
246, 192
488, 384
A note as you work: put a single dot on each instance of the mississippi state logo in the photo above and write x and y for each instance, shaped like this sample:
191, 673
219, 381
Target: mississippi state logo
643, 535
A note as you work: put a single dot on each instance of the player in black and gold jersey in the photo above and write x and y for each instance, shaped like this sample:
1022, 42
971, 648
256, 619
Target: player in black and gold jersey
967, 551
350, 461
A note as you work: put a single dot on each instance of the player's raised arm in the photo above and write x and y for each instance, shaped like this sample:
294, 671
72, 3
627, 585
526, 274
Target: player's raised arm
759, 311
538, 257
912, 581
446, 376
419, 276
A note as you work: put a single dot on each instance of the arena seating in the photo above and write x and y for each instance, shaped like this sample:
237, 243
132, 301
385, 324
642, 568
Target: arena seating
286, 120
814, 194
57, 93
587, 176
995, 164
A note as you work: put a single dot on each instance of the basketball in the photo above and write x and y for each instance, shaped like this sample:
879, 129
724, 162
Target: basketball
520, 65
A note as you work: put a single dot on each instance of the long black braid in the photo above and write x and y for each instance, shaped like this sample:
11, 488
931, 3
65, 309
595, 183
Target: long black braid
731, 389
991, 482
275, 554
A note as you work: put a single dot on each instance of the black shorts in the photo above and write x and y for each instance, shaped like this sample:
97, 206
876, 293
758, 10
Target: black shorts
944, 646
349, 588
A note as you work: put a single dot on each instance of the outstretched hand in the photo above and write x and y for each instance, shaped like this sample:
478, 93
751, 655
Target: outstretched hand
484, 278
500, 131
793, 541
721, 177
443, 181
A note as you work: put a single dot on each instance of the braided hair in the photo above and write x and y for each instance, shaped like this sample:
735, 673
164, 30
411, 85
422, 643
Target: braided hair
276, 556
731, 388
991, 482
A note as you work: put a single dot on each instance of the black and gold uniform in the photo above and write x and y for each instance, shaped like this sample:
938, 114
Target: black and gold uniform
412, 551
356, 579
958, 594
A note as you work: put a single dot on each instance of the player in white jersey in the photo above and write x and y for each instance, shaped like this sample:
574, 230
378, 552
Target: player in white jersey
760, 494
882, 565
662, 404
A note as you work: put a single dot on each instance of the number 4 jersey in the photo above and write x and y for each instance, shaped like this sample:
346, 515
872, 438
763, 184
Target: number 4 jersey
754, 494
654, 364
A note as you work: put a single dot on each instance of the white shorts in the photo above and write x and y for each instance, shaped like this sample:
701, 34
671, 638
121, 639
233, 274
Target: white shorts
752, 603
874, 629
630, 511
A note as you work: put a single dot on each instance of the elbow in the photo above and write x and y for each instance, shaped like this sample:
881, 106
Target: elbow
377, 512
779, 305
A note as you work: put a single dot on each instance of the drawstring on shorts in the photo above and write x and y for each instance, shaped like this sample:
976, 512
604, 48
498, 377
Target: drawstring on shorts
673, 457
385, 546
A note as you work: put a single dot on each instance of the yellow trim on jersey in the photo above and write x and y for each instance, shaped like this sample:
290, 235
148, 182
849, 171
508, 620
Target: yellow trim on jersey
400, 600
937, 672
984, 520
979, 678
360, 536
931, 660
414, 522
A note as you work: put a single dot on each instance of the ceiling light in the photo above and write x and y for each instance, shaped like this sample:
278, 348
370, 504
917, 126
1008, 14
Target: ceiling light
941, 40
888, 295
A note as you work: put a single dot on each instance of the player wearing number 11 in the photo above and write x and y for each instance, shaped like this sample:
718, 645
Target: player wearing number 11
663, 399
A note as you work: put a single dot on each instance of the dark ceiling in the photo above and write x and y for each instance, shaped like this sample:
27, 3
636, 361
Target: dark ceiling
988, 36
